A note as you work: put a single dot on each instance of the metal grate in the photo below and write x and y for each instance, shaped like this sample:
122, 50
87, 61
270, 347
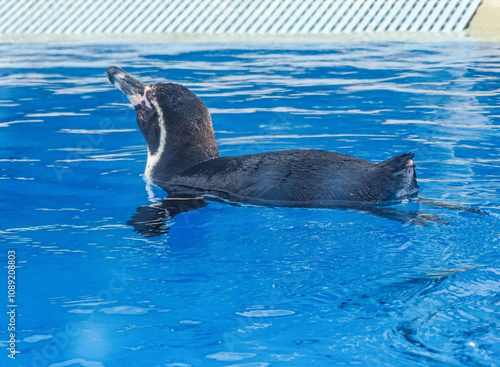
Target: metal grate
233, 16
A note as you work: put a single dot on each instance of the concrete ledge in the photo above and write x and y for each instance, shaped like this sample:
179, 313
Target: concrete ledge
233, 38
486, 21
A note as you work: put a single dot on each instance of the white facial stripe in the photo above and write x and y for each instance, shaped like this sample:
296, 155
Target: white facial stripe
153, 159
137, 99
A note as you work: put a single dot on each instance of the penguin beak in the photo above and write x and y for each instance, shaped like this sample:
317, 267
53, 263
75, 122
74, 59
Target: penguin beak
131, 87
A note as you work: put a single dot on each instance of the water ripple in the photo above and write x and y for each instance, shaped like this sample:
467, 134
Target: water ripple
258, 286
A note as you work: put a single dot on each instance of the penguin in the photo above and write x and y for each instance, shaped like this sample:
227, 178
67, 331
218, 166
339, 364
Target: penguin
183, 160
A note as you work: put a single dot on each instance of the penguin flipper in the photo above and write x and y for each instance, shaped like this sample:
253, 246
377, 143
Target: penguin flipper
152, 220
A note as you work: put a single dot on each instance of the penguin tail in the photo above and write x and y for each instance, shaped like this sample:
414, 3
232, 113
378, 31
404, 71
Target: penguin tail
403, 168
397, 163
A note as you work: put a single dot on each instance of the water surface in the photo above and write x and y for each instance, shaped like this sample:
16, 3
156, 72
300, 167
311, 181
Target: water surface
251, 286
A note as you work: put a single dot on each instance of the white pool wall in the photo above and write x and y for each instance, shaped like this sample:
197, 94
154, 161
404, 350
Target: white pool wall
102, 20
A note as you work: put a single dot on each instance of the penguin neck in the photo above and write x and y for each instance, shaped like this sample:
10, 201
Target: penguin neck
174, 157
186, 144
163, 167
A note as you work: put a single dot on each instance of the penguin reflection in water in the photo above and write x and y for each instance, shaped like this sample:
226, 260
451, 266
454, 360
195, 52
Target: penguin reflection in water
183, 160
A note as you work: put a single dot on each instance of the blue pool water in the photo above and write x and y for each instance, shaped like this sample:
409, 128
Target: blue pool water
251, 286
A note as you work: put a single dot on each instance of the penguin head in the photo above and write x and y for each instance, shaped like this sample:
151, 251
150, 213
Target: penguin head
174, 121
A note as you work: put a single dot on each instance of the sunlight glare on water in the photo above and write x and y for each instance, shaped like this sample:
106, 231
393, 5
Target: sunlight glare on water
247, 285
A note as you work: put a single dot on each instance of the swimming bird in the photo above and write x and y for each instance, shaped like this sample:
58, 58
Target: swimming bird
183, 160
